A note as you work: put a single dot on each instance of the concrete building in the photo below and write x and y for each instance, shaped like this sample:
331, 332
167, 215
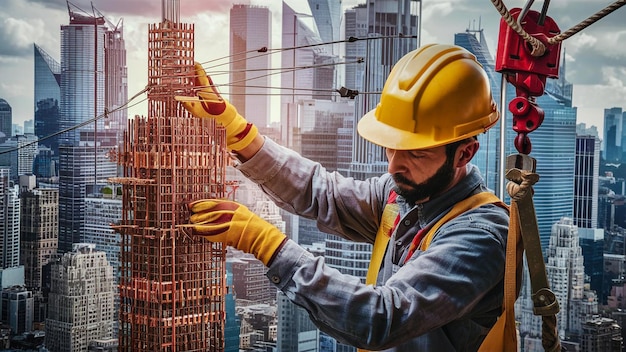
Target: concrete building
565, 271
103, 207
601, 335
80, 306
17, 309
250, 282
39, 234
9, 221
18, 153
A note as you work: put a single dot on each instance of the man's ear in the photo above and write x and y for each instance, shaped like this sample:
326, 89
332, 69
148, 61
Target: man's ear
465, 152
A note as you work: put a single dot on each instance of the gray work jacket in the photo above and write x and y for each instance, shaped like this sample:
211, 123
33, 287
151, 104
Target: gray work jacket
443, 299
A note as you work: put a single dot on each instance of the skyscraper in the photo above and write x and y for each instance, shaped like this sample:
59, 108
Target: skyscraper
9, 222
614, 135
250, 30
566, 273
392, 32
39, 232
172, 285
77, 174
47, 99
586, 182
81, 300
93, 75
296, 80
6, 118
17, 309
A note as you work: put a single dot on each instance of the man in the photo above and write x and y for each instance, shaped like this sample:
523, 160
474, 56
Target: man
442, 295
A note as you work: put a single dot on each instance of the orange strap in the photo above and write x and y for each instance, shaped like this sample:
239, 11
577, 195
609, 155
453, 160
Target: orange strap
388, 222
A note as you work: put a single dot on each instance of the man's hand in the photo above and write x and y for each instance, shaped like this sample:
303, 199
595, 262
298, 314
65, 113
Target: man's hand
234, 225
210, 104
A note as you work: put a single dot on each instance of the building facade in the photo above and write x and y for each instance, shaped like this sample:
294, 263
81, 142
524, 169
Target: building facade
586, 182
614, 135
250, 30
80, 308
47, 99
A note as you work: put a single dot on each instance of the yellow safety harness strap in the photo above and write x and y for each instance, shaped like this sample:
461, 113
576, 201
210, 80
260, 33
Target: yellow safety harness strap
387, 224
389, 220
469, 203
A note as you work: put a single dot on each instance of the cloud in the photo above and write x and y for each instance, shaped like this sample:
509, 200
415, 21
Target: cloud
16, 35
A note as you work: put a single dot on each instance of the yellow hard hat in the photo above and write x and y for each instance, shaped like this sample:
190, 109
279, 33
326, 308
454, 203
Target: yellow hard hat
434, 95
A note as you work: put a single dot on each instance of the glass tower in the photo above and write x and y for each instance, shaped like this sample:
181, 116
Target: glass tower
47, 98
250, 30
93, 79
6, 118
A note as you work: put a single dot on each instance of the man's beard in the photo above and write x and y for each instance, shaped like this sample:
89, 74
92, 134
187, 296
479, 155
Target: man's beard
435, 184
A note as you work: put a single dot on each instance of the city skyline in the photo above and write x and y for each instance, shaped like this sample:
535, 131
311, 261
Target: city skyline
594, 59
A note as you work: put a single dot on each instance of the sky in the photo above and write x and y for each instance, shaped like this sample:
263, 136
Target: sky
595, 58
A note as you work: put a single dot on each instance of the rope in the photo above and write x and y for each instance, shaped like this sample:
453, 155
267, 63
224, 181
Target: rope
544, 301
538, 48
586, 23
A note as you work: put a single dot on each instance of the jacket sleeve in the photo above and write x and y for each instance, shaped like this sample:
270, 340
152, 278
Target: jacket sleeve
343, 206
458, 277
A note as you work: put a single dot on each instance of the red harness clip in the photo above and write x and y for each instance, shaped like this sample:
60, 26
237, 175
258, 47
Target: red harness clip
527, 73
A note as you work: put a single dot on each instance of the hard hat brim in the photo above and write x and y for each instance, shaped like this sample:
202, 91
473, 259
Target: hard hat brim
384, 135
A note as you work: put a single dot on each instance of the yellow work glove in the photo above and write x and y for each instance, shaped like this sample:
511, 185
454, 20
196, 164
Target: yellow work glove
210, 104
235, 225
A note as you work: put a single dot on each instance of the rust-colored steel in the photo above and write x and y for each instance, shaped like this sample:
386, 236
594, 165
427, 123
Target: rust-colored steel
172, 286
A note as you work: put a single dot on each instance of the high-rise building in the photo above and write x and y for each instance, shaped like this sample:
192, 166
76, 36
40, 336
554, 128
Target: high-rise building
566, 273
9, 222
93, 75
293, 321
327, 18
6, 118
392, 32
233, 324
554, 148
81, 167
18, 153
296, 80
602, 335
586, 184
355, 26
80, 306
172, 284
250, 30
592, 245
103, 207
17, 309
614, 135
47, 98
250, 282
39, 232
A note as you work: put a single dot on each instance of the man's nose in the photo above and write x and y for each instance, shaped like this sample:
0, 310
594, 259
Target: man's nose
396, 161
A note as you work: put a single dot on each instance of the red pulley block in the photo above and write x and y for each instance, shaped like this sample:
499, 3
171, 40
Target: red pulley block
527, 116
514, 53
527, 73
